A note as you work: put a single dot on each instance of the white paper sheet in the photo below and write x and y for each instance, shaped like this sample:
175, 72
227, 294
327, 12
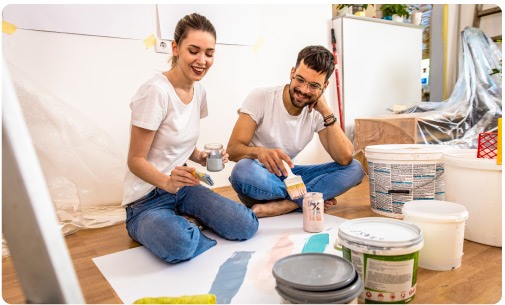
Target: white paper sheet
136, 273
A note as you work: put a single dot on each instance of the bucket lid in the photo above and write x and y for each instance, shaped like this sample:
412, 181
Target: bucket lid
382, 233
313, 271
468, 158
413, 152
339, 296
435, 211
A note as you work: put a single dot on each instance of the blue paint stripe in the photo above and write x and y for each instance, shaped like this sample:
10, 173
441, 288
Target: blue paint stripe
230, 277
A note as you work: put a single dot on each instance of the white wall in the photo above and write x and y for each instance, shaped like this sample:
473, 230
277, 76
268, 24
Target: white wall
99, 75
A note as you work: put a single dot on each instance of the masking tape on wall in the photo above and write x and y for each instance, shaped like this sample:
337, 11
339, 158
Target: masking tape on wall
8, 28
150, 41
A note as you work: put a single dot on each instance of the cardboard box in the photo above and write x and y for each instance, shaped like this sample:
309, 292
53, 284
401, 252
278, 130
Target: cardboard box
396, 129
382, 130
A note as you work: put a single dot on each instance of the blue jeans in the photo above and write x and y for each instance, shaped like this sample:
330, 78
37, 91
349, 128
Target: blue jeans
155, 221
255, 184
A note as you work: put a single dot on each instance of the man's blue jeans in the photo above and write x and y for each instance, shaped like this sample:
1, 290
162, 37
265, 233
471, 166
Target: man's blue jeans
155, 221
255, 184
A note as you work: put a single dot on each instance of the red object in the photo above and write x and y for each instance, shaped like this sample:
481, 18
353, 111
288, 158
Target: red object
488, 145
337, 78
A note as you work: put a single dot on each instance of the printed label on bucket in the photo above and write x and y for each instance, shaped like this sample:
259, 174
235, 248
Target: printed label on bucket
392, 185
387, 279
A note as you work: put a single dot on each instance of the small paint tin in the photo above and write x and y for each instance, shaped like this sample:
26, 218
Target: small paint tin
214, 157
313, 212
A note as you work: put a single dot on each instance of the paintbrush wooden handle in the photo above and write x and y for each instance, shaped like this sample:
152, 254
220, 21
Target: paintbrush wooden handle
288, 169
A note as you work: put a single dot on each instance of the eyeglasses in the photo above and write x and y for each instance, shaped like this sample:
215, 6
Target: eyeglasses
313, 87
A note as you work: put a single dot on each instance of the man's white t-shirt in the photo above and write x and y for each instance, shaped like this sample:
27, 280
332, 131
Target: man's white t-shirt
156, 106
276, 128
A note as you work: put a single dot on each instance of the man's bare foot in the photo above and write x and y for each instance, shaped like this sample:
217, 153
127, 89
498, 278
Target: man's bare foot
274, 208
330, 203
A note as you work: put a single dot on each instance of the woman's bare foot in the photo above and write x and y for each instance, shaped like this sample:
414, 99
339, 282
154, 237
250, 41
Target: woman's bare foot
274, 208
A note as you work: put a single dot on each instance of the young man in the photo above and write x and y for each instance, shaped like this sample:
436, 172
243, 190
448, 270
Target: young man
275, 124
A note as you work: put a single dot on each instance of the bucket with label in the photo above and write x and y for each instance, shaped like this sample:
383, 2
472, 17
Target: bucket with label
385, 253
443, 227
316, 278
399, 173
476, 183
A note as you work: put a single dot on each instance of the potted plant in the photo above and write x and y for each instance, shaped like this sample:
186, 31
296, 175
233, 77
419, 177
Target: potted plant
357, 9
395, 11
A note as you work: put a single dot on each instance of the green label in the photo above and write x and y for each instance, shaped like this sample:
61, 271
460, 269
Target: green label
388, 279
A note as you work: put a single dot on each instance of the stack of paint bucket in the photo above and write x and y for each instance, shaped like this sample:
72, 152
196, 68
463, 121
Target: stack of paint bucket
316, 278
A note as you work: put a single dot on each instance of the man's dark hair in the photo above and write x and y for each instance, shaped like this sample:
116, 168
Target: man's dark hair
317, 58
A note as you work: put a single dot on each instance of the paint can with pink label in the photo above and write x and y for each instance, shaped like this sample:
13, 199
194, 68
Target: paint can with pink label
313, 212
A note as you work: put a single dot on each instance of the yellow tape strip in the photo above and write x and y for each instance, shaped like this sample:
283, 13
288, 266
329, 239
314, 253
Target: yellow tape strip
8, 28
445, 29
498, 151
150, 41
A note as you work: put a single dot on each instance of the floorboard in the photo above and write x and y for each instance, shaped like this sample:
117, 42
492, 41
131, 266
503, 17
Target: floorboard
477, 281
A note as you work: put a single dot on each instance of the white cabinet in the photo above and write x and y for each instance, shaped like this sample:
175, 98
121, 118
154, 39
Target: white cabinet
380, 66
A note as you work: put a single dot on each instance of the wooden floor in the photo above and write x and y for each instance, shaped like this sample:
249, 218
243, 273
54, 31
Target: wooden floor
477, 281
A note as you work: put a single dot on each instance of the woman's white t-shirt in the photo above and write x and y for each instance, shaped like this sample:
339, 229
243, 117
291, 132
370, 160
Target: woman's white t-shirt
156, 106
276, 128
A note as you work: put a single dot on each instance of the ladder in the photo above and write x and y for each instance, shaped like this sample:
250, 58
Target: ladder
480, 12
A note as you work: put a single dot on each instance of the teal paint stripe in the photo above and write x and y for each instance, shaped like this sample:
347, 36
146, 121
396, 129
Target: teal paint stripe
316, 243
230, 277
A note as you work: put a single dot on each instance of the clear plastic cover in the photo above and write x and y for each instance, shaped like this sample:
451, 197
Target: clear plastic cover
475, 103
81, 164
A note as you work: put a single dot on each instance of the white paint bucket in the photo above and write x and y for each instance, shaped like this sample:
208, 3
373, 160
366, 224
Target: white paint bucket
385, 253
400, 173
443, 227
476, 183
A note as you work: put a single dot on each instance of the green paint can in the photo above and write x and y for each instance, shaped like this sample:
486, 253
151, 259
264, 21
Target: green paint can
384, 252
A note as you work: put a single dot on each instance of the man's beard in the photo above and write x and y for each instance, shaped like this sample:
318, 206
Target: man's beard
300, 105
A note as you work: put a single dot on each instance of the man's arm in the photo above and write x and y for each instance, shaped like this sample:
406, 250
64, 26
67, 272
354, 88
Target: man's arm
337, 144
334, 140
238, 146
242, 134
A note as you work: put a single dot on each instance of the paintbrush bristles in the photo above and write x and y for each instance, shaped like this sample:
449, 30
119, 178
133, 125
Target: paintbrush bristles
295, 187
203, 177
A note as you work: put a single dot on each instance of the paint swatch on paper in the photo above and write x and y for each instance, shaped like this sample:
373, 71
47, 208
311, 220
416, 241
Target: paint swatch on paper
230, 277
316, 243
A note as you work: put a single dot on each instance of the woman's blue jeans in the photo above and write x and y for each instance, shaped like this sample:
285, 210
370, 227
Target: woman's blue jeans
255, 184
155, 221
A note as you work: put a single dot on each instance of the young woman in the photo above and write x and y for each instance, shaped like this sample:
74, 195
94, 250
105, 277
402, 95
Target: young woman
159, 188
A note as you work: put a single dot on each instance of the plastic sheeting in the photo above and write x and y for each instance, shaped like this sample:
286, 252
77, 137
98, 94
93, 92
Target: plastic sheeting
81, 164
476, 101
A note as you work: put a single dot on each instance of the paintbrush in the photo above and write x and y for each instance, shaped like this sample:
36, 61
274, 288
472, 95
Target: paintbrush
203, 177
294, 184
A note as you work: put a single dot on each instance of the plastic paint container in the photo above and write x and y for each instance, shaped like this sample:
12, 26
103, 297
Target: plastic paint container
316, 278
443, 227
385, 253
476, 183
399, 173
